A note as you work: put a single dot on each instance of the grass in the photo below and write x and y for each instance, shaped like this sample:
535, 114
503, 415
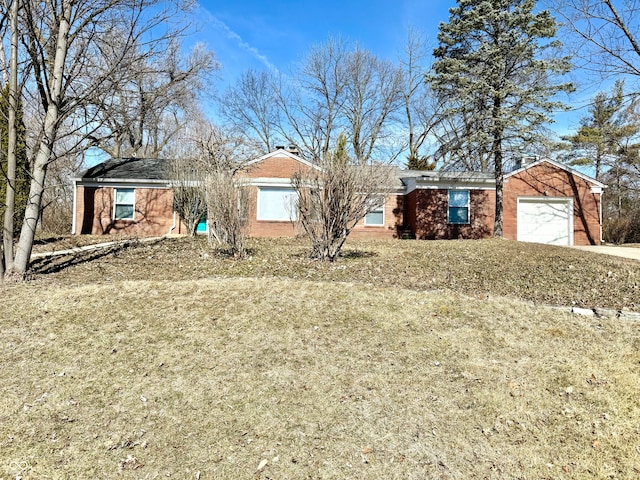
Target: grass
537, 273
168, 360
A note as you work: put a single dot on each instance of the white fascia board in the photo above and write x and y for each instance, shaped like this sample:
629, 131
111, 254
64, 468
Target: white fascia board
544, 198
270, 182
410, 184
437, 183
457, 186
286, 182
124, 183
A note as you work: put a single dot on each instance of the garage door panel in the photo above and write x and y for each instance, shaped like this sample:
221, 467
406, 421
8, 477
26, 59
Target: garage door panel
545, 221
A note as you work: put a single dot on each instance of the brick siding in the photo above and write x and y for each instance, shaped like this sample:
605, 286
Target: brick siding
427, 215
153, 212
547, 180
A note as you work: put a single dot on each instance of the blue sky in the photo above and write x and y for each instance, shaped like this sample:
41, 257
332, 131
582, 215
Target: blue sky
255, 33
277, 34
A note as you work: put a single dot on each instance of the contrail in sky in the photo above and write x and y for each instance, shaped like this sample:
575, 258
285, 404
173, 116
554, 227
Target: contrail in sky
253, 51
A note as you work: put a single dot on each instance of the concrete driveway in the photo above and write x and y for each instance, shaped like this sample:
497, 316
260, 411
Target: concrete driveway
626, 252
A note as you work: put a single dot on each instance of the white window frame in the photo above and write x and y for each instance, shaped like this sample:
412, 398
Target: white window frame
290, 216
467, 206
379, 208
116, 203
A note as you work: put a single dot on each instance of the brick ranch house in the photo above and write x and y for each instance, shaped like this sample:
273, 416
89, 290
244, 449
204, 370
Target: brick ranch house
544, 202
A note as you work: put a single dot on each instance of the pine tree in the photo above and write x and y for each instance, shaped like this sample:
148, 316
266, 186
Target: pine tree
420, 163
491, 74
601, 132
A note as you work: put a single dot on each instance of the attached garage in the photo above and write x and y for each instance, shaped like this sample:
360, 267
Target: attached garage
545, 220
547, 202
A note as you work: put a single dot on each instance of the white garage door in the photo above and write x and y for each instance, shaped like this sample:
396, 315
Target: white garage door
545, 220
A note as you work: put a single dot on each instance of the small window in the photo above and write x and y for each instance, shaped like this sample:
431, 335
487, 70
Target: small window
458, 206
376, 216
277, 204
124, 204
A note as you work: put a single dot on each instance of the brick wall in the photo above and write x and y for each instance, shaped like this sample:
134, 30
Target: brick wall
275, 167
393, 221
284, 168
153, 212
427, 217
547, 180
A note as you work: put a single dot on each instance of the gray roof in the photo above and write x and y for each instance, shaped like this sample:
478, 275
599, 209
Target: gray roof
155, 170
129, 169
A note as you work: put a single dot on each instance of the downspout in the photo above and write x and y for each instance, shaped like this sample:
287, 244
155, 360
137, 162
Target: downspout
73, 217
174, 223
174, 211
600, 208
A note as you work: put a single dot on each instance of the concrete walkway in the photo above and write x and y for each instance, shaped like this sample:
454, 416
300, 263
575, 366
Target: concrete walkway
626, 252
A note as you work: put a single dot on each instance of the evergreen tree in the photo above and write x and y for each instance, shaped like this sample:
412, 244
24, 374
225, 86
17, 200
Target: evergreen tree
22, 165
491, 73
601, 132
420, 163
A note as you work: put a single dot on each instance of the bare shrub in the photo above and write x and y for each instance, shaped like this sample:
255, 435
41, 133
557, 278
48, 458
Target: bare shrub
623, 229
227, 198
189, 200
335, 196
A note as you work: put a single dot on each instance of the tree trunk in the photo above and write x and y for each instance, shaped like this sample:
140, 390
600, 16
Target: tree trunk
10, 201
32, 211
498, 132
44, 150
497, 225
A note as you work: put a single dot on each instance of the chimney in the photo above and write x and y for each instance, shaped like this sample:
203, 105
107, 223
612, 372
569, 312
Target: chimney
293, 149
524, 160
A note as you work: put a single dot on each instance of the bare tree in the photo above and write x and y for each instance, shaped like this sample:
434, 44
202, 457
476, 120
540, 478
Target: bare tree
606, 33
372, 97
6, 262
149, 104
312, 104
189, 202
63, 41
226, 191
250, 107
340, 88
421, 108
335, 196
207, 185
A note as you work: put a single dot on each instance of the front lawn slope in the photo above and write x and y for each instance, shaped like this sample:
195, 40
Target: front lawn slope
539, 273
216, 377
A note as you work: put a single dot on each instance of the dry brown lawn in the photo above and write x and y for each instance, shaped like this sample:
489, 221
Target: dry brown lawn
170, 360
538, 273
